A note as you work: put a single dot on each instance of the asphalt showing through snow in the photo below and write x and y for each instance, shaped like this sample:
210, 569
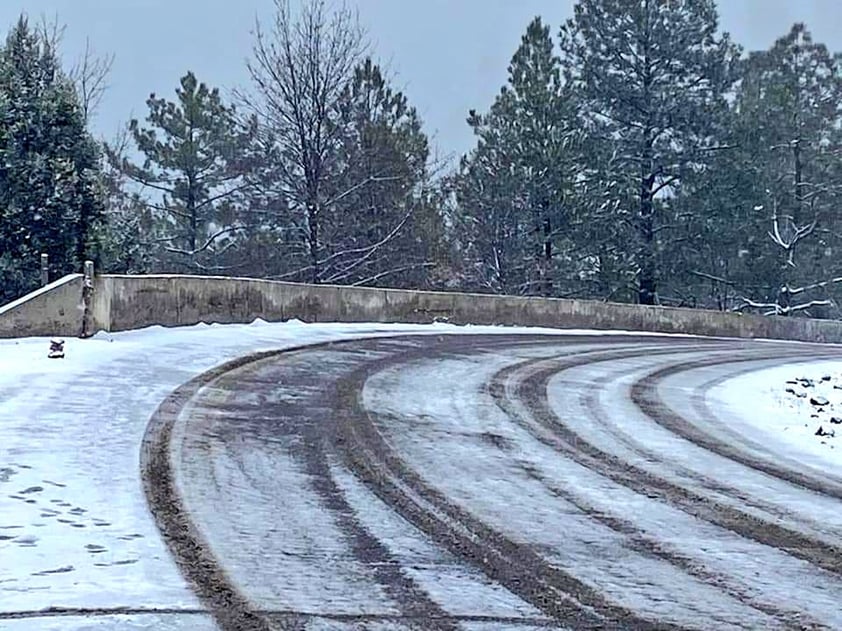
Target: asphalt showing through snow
491, 482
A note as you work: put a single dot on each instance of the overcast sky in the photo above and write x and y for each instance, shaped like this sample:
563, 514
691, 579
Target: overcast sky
447, 55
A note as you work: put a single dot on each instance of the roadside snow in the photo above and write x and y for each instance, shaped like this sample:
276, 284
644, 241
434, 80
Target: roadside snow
784, 407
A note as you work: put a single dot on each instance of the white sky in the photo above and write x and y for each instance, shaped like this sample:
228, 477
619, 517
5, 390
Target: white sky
448, 55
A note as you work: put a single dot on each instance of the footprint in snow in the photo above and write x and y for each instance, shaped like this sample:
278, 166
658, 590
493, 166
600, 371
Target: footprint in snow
123, 562
59, 570
130, 537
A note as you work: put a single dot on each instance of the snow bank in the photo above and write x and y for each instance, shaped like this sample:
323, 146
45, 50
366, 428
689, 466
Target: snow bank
785, 406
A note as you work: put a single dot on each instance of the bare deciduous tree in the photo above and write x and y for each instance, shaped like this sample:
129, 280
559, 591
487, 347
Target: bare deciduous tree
90, 75
300, 69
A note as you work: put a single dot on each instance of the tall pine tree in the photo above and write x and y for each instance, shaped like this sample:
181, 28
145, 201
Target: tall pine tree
788, 108
194, 173
50, 188
512, 190
653, 73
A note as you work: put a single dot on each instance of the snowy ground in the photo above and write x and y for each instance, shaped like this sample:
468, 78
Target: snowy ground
75, 531
793, 408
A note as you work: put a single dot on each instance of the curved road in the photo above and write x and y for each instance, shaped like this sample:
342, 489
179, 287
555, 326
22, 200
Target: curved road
492, 482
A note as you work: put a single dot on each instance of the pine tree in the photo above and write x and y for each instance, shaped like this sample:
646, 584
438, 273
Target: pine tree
379, 226
653, 73
195, 167
511, 191
788, 109
50, 193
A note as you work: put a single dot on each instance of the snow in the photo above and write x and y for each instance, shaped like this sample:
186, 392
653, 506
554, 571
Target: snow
74, 526
75, 530
442, 437
123, 622
758, 405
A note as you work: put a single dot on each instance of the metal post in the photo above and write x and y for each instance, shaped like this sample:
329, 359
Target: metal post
45, 269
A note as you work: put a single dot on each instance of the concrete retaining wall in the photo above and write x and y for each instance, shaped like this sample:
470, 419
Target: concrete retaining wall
55, 309
128, 302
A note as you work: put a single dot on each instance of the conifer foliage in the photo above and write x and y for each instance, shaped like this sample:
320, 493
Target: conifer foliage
50, 189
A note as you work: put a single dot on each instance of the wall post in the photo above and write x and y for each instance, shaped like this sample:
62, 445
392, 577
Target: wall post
45, 269
87, 299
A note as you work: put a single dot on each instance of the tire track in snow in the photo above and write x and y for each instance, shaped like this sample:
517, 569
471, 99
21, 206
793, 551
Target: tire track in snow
230, 609
308, 421
523, 387
352, 433
516, 566
229, 606
644, 394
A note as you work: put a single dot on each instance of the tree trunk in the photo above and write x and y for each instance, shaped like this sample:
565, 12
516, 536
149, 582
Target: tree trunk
313, 240
648, 282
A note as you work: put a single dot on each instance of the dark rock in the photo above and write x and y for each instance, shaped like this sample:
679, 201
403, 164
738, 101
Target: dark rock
836, 420
820, 432
819, 401
826, 378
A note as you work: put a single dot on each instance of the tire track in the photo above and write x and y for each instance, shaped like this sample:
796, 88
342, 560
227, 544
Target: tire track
348, 431
530, 391
231, 610
644, 393
309, 421
590, 400
517, 567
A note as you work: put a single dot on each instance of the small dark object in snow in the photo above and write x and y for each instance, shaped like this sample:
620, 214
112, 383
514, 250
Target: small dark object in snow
807, 383
56, 349
792, 382
814, 416
790, 391
818, 401
820, 432
836, 420
826, 378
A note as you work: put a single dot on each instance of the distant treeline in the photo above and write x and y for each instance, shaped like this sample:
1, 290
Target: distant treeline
635, 154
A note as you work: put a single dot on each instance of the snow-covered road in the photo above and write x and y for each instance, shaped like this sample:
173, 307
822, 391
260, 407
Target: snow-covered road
506, 479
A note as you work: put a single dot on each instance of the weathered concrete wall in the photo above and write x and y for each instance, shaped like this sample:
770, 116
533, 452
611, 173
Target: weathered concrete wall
54, 310
128, 302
